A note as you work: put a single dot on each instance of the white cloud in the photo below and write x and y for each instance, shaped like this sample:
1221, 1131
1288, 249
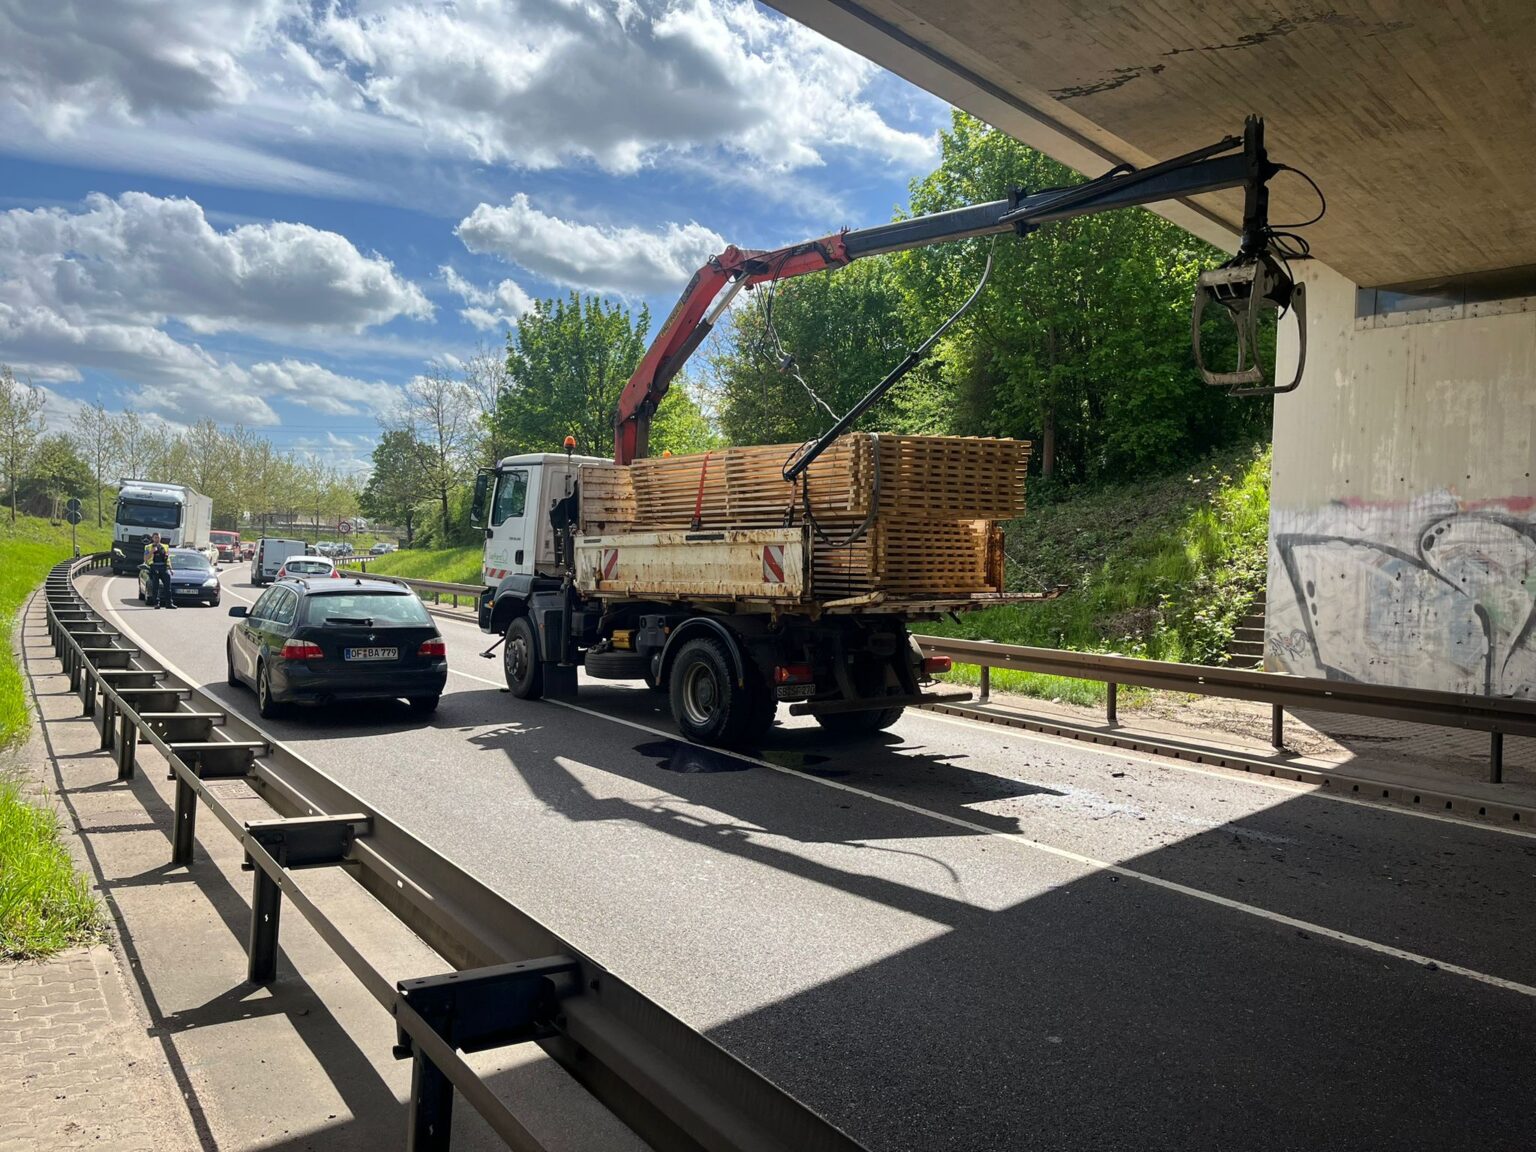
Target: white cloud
630, 261
312, 386
539, 83
496, 307
95, 289
67, 60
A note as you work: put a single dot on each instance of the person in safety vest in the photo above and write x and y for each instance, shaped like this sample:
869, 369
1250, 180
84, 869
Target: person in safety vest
158, 557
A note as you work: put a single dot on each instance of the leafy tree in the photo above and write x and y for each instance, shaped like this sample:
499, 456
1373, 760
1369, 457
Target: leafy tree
844, 330
568, 361
399, 480
440, 413
96, 437
21, 425
1081, 340
55, 472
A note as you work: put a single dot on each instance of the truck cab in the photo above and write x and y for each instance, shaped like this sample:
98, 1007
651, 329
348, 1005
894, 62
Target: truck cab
516, 501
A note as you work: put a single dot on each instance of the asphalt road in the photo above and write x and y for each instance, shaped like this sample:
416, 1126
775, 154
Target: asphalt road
965, 937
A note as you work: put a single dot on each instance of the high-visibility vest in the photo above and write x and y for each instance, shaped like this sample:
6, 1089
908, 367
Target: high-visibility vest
157, 554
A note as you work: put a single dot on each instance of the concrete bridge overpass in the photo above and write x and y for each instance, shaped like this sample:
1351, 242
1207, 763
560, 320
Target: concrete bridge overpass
1403, 523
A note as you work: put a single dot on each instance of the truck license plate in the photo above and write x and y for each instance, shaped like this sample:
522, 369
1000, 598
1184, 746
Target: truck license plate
371, 654
795, 691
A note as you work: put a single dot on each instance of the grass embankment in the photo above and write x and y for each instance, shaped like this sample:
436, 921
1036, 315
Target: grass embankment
450, 565
1160, 568
45, 905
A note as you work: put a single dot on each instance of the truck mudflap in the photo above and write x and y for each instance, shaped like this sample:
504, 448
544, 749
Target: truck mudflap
872, 703
761, 564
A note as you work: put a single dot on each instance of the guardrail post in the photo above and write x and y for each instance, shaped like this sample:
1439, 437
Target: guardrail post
88, 694
266, 915
1277, 726
986, 684
186, 822
127, 746
1111, 703
108, 721
431, 1119
1496, 757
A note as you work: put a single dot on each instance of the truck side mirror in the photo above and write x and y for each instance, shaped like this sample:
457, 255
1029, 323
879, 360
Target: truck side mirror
482, 494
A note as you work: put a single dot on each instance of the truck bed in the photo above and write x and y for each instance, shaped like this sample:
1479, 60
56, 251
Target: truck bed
753, 569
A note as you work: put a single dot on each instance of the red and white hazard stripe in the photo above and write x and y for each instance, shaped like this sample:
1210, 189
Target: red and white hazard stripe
773, 563
610, 562
496, 573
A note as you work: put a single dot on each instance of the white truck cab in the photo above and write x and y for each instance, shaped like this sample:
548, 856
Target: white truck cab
519, 537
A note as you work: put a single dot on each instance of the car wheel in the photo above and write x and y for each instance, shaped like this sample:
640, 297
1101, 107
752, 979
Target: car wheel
214, 603
231, 678
269, 708
859, 723
143, 597
424, 705
520, 660
707, 703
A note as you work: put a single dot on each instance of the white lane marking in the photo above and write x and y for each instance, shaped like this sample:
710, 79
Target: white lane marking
1048, 849
1091, 862
1232, 775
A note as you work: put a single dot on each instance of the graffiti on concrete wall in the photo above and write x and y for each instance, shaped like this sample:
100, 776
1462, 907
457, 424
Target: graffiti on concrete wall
1435, 593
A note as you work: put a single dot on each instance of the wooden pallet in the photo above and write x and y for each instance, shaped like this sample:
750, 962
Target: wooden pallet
934, 499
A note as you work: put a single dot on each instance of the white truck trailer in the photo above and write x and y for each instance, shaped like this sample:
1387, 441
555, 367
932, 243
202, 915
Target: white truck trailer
182, 516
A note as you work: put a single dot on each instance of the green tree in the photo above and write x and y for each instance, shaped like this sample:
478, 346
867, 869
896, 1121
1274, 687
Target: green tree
1081, 340
399, 481
55, 472
96, 436
844, 330
567, 363
21, 425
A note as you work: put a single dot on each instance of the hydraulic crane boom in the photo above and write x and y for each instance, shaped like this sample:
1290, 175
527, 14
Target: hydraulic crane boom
1253, 279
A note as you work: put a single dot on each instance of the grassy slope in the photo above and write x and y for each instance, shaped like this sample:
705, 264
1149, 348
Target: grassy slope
28, 549
1161, 568
451, 565
44, 904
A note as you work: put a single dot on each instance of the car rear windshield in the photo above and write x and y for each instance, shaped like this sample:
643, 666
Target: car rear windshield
370, 609
309, 566
190, 561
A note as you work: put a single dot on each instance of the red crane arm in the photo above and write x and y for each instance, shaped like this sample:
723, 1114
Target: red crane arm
688, 324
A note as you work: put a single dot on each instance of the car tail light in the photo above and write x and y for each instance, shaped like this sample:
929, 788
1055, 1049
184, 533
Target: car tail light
793, 674
933, 665
302, 650
282, 572
434, 647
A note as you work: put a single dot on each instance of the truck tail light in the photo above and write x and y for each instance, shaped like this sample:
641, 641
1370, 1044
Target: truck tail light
793, 674
302, 650
933, 665
435, 648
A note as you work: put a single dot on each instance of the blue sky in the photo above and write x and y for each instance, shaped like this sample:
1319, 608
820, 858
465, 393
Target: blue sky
279, 212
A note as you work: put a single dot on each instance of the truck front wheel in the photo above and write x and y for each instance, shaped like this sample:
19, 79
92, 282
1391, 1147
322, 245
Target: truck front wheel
707, 703
520, 660
859, 723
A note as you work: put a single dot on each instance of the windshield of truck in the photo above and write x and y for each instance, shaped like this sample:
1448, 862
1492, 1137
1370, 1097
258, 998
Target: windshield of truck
142, 514
224, 537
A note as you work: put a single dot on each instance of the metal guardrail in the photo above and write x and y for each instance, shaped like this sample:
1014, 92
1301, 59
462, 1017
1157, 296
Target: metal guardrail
435, 588
1494, 715
515, 981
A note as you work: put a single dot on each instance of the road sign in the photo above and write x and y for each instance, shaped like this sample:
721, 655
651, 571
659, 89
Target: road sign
344, 527
74, 515
73, 505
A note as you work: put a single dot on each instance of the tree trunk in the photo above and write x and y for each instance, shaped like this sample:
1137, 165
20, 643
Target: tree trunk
1048, 445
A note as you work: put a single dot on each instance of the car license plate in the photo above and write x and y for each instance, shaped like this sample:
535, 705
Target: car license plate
795, 691
371, 654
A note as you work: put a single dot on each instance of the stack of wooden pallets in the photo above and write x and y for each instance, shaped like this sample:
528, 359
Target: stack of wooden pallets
904, 515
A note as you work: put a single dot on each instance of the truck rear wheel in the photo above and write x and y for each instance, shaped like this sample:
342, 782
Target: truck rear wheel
859, 723
707, 703
520, 660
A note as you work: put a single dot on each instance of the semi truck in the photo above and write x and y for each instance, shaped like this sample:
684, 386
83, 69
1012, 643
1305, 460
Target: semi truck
181, 515
723, 618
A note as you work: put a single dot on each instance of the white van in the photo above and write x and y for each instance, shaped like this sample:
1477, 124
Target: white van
270, 555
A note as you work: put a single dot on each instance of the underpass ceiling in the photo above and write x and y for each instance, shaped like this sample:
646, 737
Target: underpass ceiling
1417, 117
